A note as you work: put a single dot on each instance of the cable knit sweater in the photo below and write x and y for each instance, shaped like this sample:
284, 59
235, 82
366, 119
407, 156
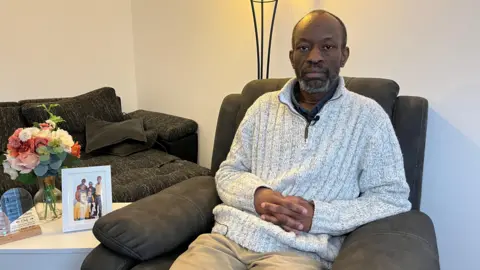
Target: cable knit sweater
349, 164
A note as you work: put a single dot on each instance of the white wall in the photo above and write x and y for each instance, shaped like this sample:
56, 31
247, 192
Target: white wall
55, 48
190, 54
431, 49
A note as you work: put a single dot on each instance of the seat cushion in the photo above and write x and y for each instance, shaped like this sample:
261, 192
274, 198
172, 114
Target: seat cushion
144, 173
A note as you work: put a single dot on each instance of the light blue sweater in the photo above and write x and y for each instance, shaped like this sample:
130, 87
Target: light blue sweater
350, 166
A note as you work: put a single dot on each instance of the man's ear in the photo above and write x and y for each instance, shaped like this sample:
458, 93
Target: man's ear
345, 55
291, 57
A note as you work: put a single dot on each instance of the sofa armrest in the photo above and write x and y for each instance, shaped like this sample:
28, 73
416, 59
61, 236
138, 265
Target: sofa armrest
404, 241
162, 222
169, 127
102, 258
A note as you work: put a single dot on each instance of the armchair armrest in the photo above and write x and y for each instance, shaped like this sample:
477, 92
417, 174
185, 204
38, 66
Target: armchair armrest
404, 241
169, 127
160, 223
101, 258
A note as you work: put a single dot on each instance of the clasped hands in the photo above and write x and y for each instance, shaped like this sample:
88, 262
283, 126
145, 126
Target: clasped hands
292, 213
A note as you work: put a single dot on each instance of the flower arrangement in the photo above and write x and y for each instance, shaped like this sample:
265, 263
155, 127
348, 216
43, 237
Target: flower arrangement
39, 151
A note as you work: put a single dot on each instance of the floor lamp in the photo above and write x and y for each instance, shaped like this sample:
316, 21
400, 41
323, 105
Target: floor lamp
260, 40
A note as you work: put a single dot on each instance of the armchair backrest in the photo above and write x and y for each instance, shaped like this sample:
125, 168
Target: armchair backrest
408, 115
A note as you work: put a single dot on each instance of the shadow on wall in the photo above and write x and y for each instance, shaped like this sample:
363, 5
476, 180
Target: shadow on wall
450, 190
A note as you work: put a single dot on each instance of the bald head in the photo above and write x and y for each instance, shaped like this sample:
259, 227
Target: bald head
320, 12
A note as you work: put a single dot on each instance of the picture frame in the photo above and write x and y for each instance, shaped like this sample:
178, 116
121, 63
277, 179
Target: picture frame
82, 202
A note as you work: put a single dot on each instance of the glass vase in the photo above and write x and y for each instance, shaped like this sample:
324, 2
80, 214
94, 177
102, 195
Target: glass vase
48, 199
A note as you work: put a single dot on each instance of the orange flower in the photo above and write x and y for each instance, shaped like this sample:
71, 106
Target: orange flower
76, 150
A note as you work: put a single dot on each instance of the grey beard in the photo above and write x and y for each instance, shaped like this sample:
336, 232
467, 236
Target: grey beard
311, 88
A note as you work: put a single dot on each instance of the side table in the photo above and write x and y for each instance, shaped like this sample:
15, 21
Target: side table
51, 250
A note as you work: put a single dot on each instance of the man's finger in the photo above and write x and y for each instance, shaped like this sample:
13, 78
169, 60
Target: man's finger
288, 229
295, 207
270, 219
289, 222
277, 209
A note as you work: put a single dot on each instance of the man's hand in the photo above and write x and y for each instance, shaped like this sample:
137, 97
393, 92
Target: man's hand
291, 213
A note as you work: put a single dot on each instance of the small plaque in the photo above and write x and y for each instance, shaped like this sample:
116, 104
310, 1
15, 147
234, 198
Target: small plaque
18, 219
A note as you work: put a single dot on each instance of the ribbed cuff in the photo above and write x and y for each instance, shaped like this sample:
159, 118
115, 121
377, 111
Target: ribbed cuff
322, 215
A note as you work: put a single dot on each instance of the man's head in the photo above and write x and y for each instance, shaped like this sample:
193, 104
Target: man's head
319, 50
99, 179
83, 181
90, 184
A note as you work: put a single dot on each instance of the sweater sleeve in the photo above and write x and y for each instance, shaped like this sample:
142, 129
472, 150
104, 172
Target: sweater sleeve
236, 184
383, 187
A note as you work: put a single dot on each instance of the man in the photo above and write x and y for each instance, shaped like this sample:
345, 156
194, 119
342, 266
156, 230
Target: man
82, 184
90, 197
98, 197
308, 164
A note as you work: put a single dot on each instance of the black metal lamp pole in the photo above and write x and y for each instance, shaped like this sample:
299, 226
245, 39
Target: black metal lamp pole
260, 44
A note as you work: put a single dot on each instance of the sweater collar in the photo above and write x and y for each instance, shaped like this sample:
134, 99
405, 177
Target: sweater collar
286, 92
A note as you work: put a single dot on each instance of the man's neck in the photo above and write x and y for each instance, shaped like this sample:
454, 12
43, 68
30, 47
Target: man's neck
310, 100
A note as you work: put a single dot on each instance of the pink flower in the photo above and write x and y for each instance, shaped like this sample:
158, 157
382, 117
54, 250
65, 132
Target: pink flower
28, 146
40, 142
14, 142
44, 126
17, 132
25, 162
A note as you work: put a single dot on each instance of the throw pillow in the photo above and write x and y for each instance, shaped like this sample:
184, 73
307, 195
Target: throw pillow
101, 104
10, 120
118, 138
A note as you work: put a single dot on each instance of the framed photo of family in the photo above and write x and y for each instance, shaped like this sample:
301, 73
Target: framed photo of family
86, 196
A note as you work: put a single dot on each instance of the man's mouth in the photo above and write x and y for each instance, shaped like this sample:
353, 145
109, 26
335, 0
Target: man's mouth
314, 75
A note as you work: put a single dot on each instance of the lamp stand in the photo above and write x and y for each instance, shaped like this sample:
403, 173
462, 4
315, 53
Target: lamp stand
260, 43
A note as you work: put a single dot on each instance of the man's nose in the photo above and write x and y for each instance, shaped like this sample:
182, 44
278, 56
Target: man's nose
315, 56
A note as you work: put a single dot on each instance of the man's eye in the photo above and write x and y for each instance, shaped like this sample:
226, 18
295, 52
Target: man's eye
303, 48
327, 47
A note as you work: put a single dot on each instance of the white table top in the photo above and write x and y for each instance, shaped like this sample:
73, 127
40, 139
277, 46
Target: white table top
53, 240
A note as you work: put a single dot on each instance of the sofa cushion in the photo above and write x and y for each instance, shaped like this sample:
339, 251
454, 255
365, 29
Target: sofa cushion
101, 103
144, 173
168, 127
10, 120
102, 135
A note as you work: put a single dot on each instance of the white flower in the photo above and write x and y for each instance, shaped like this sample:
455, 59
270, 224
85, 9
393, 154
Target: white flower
9, 170
25, 135
44, 133
34, 131
65, 138
51, 123
28, 133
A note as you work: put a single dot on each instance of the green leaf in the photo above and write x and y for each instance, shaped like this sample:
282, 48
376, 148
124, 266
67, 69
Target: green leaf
45, 157
2, 157
62, 155
55, 164
58, 150
27, 178
41, 170
35, 124
70, 161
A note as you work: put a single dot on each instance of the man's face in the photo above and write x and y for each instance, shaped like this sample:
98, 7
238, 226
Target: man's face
317, 54
83, 181
99, 179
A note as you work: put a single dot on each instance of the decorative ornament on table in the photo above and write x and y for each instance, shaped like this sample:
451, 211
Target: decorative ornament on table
36, 155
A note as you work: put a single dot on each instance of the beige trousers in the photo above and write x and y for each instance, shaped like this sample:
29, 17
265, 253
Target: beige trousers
216, 252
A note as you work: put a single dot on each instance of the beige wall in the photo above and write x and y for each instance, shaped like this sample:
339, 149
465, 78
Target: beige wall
190, 54
431, 49
54, 48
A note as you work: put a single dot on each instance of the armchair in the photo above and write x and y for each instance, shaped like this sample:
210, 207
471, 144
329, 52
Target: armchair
152, 232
